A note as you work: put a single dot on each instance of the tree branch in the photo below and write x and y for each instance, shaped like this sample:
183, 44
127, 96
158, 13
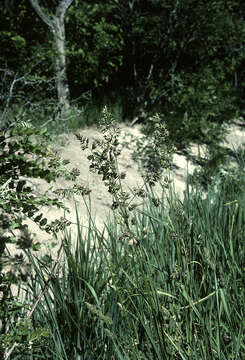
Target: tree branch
62, 7
42, 15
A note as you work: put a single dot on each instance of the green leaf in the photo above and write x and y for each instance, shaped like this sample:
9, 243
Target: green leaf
36, 247
43, 222
38, 218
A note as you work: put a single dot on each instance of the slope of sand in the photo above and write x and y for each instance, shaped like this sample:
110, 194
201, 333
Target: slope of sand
68, 147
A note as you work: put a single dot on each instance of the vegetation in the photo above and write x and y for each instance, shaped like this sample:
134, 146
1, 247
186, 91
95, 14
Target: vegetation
164, 279
180, 59
174, 291
23, 156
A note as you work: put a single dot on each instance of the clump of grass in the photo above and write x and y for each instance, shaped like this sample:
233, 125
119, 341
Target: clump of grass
167, 285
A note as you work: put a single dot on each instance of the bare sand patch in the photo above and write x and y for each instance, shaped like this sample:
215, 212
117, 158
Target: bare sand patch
68, 147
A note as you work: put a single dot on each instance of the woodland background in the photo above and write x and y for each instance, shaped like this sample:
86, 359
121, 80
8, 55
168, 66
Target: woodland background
183, 59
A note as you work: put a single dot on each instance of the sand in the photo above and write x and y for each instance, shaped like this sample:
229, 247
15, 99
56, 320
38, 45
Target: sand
68, 147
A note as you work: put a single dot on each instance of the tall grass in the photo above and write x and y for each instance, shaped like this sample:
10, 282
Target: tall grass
173, 290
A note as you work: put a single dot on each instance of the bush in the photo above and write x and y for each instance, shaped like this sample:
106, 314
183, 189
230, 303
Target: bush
196, 106
24, 154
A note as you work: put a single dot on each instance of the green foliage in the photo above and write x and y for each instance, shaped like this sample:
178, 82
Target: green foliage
24, 155
24, 335
75, 309
94, 43
182, 59
164, 279
172, 37
157, 155
154, 154
172, 288
20, 46
183, 65
198, 106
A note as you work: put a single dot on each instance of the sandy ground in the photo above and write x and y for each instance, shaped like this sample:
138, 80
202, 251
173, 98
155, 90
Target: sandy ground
68, 147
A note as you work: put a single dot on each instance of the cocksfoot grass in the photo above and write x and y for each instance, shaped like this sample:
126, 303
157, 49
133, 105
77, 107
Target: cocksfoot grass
162, 281
174, 290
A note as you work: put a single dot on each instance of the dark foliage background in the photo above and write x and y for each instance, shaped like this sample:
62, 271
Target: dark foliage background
184, 59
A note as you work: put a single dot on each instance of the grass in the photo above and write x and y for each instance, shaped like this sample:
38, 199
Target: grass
174, 291
163, 281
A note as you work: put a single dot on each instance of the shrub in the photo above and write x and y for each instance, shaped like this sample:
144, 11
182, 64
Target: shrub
24, 154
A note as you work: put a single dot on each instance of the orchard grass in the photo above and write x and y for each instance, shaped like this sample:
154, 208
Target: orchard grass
174, 290
163, 280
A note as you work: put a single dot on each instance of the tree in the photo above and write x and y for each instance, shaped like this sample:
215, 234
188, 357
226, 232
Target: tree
94, 46
56, 24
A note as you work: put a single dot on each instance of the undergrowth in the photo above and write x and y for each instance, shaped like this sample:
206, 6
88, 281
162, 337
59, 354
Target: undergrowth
163, 280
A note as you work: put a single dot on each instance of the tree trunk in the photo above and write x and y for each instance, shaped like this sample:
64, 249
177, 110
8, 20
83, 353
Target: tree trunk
56, 25
60, 64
